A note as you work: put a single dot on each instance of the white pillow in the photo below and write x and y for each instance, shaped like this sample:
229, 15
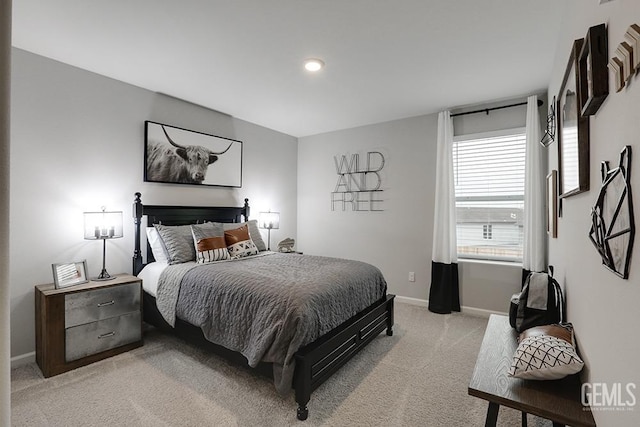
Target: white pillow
242, 249
157, 247
545, 357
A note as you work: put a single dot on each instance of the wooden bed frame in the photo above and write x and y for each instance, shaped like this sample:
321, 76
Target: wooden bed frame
315, 362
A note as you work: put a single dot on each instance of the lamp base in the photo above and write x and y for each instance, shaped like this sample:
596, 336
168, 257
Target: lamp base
104, 275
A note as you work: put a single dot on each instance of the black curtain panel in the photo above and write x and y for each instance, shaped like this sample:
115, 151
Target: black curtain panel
444, 295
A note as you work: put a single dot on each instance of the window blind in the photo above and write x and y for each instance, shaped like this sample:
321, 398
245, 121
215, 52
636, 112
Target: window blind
489, 184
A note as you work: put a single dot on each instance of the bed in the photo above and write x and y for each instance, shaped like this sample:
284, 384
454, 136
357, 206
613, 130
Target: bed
308, 338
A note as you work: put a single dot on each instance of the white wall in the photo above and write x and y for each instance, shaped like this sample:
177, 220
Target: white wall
602, 307
399, 239
77, 143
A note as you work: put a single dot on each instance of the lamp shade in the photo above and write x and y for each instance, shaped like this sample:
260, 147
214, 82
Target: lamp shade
269, 220
102, 225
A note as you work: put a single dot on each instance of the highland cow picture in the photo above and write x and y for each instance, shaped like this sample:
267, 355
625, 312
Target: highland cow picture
180, 156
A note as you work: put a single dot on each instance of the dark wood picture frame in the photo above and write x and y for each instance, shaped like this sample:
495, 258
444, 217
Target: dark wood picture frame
175, 155
594, 78
573, 131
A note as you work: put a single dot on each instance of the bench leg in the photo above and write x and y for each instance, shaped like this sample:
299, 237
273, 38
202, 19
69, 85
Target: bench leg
524, 419
492, 415
555, 424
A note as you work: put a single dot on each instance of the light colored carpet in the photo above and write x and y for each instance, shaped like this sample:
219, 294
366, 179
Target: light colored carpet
418, 377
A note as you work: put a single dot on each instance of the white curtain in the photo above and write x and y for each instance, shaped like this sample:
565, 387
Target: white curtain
534, 194
444, 220
444, 296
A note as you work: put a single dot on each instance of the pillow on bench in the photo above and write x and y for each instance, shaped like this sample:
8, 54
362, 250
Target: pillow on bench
546, 353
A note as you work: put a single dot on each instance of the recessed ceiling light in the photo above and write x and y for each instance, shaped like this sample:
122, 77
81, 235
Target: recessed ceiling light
313, 65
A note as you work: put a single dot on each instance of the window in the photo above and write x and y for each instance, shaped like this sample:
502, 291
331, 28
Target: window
487, 232
489, 181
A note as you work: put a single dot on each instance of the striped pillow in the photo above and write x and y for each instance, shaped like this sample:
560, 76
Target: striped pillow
210, 245
211, 249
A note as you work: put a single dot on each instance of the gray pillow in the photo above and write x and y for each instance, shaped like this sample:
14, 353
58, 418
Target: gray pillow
178, 241
254, 232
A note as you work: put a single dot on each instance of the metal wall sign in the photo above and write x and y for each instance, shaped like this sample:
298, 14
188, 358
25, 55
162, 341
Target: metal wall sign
358, 185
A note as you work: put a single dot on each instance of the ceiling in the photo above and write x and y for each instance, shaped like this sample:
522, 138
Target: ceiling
384, 59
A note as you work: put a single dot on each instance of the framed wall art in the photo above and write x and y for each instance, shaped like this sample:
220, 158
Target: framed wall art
180, 156
592, 64
552, 204
573, 131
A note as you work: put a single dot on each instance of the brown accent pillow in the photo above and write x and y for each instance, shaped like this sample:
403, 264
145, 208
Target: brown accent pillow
236, 235
210, 243
564, 333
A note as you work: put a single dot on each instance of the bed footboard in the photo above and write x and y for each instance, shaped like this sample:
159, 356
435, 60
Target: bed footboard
316, 362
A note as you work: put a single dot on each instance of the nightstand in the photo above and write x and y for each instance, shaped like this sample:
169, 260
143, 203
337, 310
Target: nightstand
81, 324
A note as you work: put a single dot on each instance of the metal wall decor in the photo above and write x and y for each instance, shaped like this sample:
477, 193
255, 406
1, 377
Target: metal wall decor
358, 188
612, 226
550, 133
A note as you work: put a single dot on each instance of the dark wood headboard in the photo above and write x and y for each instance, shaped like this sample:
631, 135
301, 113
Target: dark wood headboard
178, 215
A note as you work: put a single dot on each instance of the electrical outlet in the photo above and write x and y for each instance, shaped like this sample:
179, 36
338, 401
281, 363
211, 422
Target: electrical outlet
412, 276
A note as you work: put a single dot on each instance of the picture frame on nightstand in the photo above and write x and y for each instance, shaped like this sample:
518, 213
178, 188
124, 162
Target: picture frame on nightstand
69, 274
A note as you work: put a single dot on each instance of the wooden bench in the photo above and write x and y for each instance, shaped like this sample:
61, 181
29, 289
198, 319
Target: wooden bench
556, 400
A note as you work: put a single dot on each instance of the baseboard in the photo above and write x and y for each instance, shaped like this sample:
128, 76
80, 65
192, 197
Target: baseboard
23, 359
471, 311
412, 301
480, 312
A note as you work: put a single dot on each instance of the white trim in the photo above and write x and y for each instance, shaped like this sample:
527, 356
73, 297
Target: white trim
23, 359
490, 134
413, 301
471, 311
480, 312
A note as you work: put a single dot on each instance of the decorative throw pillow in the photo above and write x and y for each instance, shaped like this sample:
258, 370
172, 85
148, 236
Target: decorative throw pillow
546, 353
254, 232
210, 244
157, 247
239, 243
178, 240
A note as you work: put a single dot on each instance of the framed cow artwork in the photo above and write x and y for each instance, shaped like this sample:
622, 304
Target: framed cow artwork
179, 156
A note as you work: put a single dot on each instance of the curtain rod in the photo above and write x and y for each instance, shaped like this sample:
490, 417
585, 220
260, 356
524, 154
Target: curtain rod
486, 110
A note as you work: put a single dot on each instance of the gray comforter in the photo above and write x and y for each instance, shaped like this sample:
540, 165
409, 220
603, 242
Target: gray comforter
267, 307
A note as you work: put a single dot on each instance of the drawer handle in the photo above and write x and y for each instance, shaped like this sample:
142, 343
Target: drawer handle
104, 304
107, 335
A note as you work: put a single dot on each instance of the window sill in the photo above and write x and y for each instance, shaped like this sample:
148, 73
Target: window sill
491, 262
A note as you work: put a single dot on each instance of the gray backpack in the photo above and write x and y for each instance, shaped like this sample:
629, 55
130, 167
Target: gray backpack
539, 303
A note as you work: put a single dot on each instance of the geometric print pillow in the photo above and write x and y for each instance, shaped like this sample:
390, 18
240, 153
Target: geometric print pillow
545, 357
243, 249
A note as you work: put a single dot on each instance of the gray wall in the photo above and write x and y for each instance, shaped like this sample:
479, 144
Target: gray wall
602, 307
398, 240
77, 143
5, 333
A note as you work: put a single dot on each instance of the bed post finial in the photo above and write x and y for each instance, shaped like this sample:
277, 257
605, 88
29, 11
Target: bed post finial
247, 209
137, 221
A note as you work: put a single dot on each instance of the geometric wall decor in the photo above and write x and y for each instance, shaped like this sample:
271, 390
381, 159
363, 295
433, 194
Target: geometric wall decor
626, 61
612, 225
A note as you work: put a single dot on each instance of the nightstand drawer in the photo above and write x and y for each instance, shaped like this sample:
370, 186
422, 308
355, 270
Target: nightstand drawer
92, 338
86, 307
